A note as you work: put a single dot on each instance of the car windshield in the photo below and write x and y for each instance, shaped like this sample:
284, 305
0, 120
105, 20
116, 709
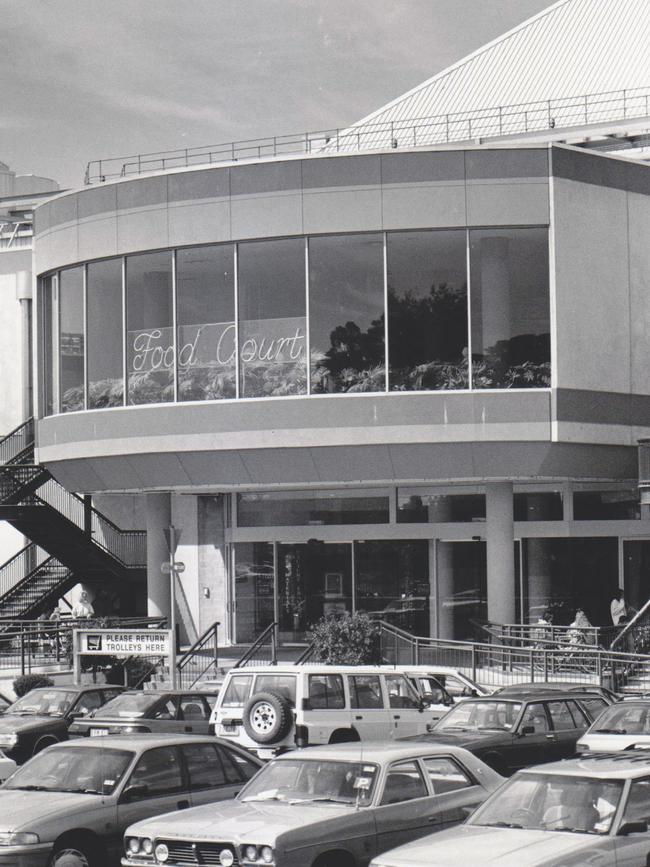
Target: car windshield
44, 702
481, 716
73, 769
552, 802
131, 704
298, 781
624, 719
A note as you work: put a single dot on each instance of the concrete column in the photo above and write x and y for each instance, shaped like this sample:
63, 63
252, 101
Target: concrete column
24, 298
445, 567
159, 516
500, 552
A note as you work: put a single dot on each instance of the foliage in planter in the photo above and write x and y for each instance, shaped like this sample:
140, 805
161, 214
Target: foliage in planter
27, 682
346, 639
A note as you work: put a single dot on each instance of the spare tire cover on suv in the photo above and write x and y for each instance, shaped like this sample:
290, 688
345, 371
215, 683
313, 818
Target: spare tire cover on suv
268, 717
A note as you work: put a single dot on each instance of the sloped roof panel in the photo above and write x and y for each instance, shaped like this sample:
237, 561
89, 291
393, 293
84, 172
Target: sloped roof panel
573, 48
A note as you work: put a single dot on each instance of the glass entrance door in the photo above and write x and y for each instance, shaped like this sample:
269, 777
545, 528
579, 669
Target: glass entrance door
314, 579
253, 590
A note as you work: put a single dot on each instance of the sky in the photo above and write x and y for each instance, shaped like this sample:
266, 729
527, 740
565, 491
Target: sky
89, 79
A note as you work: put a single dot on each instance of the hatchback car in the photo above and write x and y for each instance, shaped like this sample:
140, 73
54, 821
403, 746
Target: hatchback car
592, 811
133, 712
331, 806
69, 806
621, 726
43, 716
515, 731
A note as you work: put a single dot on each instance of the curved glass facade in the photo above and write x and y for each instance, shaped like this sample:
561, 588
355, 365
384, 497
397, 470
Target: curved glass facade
425, 310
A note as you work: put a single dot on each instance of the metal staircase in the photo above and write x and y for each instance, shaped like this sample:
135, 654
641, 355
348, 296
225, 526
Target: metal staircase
71, 540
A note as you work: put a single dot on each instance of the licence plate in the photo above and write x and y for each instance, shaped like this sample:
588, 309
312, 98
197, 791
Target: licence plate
230, 730
98, 733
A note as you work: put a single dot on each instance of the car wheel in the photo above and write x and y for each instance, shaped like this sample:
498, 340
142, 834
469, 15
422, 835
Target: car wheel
267, 717
71, 856
43, 743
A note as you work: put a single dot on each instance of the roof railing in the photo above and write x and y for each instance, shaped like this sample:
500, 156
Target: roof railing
495, 121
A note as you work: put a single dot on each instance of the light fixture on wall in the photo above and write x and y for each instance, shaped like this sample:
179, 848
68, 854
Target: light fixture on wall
206, 592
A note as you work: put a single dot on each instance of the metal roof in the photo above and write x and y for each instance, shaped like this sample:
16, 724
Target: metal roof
573, 47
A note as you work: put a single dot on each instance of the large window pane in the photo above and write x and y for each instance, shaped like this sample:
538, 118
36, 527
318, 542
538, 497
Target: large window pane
205, 311
427, 310
510, 308
71, 339
562, 575
48, 362
538, 506
393, 579
301, 508
272, 324
105, 362
254, 590
608, 505
314, 579
346, 313
150, 343
431, 506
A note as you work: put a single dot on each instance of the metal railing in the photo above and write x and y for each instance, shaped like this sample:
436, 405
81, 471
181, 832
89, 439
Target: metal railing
20, 565
490, 122
634, 636
16, 481
16, 235
264, 650
527, 634
17, 443
202, 656
494, 665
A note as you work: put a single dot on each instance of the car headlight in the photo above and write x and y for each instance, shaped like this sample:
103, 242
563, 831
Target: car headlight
8, 740
226, 857
162, 852
132, 845
15, 838
250, 853
267, 854
147, 846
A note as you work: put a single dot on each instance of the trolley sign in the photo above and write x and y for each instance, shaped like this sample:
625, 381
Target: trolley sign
120, 642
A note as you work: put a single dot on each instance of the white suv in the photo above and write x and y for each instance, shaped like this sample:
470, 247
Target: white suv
274, 708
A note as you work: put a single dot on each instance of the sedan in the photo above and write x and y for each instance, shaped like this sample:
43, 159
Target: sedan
43, 716
592, 811
328, 806
136, 712
558, 686
516, 731
69, 806
622, 726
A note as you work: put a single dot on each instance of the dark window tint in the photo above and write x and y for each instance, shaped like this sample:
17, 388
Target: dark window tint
365, 692
291, 508
193, 708
419, 505
637, 808
510, 313
427, 310
538, 506
445, 775
621, 505
594, 706
403, 783
326, 691
346, 313
159, 771
579, 716
105, 358
204, 766
71, 339
236, 766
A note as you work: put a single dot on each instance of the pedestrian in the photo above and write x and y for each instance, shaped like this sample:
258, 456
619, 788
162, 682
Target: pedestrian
83, 609
618, 607
577, 633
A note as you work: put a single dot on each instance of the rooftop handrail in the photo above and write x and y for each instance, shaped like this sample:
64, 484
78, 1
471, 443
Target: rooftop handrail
601, 107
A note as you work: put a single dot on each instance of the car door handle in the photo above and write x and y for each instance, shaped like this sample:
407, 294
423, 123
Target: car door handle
433, 819
183, 805
396, 716
358, 717
550, 737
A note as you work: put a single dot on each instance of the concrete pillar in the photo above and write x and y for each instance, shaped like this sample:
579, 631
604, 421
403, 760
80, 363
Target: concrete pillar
159, 517
439, 511
500, 552
24, 298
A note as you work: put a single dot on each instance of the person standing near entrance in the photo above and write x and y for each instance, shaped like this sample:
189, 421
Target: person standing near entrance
618, 607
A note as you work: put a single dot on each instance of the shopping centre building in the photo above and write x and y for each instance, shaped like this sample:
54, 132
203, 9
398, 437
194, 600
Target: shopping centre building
403, 371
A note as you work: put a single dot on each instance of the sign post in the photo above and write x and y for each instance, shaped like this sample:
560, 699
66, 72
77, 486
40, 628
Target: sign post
174, 568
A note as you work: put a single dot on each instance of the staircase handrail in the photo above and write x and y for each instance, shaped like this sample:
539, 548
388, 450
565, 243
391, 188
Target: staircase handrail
271, 632
15, 568
28, 427
209, 639
641, 618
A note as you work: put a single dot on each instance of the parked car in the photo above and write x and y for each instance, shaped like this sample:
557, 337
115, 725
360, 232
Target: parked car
332, 806
584, 811
4, 703
174, 711
428, 679
273, 708
42, 717
621, 726
559, 686
515, 731
69, 805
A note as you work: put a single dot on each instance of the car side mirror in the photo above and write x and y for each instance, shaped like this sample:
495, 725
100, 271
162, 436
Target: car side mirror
527, 730
77, 714
132, 793
632, 828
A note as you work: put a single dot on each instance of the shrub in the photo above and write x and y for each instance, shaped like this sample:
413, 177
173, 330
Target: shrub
27, 682
346, 639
